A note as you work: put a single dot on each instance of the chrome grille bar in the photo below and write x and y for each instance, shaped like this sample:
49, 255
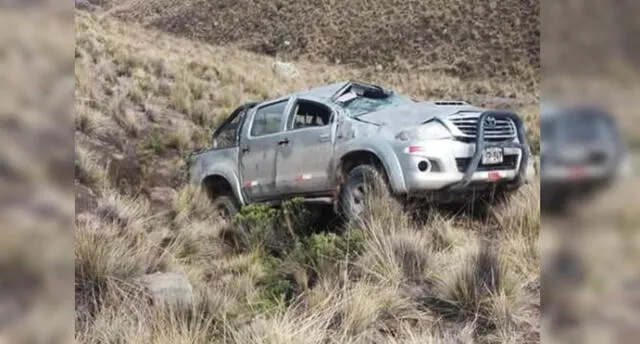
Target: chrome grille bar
497, 129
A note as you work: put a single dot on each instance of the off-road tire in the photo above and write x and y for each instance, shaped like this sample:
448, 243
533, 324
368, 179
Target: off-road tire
359, 182
225, 205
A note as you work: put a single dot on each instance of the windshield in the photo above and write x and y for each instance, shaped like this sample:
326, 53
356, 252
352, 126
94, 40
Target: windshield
359, 105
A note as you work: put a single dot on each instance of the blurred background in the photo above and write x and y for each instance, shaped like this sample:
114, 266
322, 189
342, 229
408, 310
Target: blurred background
36, 168
590, 191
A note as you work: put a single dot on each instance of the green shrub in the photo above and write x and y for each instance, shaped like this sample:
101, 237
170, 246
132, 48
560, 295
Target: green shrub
293, 255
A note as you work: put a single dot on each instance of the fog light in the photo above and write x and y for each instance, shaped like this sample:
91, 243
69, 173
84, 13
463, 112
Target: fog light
423, 166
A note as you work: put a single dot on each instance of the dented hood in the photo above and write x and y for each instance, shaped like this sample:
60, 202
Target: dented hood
407, 115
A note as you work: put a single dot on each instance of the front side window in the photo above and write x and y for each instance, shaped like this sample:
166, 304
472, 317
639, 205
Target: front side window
309, 114
268, 119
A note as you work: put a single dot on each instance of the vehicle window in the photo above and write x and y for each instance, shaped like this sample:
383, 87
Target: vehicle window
227, 135
309, 114
268, 119
359, 104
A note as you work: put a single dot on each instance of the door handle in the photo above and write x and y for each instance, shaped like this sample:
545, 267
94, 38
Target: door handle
284, 141
245, 149
324, 137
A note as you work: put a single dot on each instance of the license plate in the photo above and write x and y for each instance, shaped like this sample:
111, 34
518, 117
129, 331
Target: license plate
492, 156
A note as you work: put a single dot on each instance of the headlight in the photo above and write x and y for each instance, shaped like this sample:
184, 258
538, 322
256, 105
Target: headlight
429, 131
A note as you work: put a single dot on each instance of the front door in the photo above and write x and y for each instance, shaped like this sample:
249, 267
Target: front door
258, 150
304, 163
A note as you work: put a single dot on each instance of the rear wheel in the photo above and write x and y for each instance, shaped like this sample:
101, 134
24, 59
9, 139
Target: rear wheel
363, 184
225, 206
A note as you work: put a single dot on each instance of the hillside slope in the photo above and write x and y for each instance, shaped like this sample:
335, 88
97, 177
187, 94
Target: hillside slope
144, 99
471, 39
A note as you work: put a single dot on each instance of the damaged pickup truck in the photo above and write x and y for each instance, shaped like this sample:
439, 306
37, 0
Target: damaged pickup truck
338, 143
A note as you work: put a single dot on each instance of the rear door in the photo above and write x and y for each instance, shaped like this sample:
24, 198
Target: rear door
258, 149
305, 161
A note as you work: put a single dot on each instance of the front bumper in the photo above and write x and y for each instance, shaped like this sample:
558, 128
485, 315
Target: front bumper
455, 166
448, 159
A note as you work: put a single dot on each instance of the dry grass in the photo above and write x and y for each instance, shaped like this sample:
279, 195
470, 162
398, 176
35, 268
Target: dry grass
319, 288
481, 40
147, 98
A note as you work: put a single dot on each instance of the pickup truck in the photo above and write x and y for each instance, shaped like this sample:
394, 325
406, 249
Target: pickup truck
337, 143
582, 154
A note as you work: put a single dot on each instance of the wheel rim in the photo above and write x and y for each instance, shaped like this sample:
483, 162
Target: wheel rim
358, 194
358, 198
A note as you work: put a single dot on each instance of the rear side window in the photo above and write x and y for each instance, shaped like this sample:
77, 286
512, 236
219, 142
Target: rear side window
268, 119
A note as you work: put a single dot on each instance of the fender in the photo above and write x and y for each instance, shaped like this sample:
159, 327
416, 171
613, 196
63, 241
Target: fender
384, 152
222, 170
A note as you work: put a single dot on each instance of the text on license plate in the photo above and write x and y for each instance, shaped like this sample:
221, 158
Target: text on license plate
492, 156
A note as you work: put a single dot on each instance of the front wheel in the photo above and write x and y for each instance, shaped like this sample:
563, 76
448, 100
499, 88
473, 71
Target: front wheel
363, 184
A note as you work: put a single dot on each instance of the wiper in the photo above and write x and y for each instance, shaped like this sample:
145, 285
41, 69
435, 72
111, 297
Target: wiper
363, 121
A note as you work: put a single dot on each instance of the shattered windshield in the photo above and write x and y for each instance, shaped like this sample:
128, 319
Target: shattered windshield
359, 105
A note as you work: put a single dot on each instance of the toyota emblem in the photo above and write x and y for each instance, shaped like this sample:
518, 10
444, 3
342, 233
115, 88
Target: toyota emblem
490, 122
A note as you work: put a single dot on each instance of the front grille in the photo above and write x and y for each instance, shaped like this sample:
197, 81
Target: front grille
504, 128
509, 163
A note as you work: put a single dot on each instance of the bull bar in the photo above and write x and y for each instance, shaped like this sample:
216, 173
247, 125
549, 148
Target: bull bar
481, 144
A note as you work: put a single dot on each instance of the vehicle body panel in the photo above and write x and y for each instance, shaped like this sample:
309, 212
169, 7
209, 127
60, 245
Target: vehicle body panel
223, 163
304, 163
258, 154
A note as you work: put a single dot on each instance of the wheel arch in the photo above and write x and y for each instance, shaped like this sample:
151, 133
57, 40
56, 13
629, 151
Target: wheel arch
383, 159
219, 183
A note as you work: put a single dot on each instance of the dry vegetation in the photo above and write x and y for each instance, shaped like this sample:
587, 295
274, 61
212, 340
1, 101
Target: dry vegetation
487, 39
144, 99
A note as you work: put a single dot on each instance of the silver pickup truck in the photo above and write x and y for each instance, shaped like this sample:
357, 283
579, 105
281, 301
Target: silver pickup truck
333, 144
